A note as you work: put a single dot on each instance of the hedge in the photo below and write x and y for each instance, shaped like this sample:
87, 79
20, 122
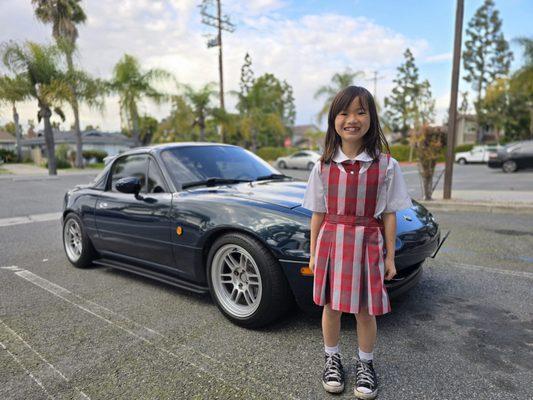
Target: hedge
8, 155
99, 155
271, 153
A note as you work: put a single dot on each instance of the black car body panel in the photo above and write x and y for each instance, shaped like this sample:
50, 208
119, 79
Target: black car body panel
519, 152
142, 232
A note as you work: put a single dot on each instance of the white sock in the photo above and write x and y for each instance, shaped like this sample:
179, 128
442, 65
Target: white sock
331, 350
366, 356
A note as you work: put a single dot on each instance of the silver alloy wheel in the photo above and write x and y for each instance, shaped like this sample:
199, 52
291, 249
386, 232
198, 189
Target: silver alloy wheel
509, 166
236, 280
72, 240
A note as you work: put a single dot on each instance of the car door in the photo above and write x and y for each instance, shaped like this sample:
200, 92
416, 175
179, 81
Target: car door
136, 228
524, 155
296, 160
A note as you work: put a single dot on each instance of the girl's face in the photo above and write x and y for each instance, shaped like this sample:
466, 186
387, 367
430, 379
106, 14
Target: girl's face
353, 123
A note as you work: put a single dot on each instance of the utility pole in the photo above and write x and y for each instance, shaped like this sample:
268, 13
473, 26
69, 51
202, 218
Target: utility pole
221, 23
452, 115
375, 79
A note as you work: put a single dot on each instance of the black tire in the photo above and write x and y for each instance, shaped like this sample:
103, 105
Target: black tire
276, 298
462, 161
310, 166
88, 253
509, 166
282, 165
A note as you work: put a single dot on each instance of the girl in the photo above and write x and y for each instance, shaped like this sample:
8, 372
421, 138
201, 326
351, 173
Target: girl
354, 191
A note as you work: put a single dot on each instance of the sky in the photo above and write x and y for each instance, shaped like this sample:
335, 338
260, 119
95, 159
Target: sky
302, 42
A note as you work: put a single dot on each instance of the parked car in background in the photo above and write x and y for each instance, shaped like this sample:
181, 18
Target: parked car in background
215, 218
513, 156
304, 159
478, 154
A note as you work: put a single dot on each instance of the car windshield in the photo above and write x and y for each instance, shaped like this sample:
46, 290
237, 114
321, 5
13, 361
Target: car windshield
199, 163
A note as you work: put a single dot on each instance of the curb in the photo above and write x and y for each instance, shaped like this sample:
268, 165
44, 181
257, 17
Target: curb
478, 206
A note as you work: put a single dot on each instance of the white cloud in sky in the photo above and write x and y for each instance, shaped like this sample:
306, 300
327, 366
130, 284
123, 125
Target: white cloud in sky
305, 51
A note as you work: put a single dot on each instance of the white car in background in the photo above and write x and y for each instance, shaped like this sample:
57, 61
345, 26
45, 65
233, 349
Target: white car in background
478, 154
304, 159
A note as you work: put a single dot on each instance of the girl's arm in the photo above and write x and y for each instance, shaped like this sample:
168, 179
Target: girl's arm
389, 222
316, 223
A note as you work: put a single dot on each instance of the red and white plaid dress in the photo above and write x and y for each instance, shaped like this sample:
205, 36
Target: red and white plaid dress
349, 263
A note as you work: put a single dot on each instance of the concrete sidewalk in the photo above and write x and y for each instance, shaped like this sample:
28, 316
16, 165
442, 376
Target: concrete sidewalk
33, 170
483, 201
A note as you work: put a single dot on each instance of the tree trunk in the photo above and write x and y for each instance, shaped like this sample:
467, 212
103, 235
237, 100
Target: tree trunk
18, 133
77, 132
49, 140
201, 124
135, 127
76, 112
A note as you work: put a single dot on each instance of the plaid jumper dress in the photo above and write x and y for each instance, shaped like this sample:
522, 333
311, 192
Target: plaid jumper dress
349, 267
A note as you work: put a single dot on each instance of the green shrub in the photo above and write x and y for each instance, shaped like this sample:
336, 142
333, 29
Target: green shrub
463, 147
8, 155
271, 153
60, 164
401, 152
99, 155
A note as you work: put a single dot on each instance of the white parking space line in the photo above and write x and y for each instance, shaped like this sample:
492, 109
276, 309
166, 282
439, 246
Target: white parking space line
185, 354
42, 372
29, 219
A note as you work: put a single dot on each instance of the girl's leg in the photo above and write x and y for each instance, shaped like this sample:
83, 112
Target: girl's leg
331, 325
366, 331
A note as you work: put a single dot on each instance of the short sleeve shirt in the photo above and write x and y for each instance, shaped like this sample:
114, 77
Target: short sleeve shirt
392, 197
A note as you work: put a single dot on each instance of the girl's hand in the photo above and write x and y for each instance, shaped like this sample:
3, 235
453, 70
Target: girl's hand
312, 264
390, 268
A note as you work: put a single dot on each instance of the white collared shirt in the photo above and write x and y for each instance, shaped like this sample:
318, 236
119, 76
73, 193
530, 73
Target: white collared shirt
392, 197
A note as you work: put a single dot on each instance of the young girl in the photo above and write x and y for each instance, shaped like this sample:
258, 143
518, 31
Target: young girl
354, 191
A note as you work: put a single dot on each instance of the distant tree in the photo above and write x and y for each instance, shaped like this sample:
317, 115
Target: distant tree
486, 56
178, 126
410, 103
200, 102
64, 15
463, 108
147, 127
247, 75
428, 142
14, 90
39, 65
339, 81
132, 85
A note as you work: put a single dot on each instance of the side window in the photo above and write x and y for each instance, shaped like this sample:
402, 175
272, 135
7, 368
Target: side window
298, 155
129, 166
526, 149
156, 183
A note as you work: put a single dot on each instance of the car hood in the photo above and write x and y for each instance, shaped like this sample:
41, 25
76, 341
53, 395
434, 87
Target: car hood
287, 194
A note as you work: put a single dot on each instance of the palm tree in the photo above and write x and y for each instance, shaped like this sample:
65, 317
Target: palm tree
64, 15
131, 84
339, 81
200, 102
13, 91
47, 84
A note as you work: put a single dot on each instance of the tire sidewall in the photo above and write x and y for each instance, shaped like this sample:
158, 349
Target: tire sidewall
87, 252
509, 162
461, 161
250, 245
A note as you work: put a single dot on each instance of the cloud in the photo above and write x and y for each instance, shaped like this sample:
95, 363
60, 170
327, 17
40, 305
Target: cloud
439, 58
306, 51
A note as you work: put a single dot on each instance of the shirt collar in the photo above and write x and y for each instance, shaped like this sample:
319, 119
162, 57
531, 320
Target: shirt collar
340, 156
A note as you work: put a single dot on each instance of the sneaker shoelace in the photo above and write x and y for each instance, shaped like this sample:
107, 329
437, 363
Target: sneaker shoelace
365, 375
333, 368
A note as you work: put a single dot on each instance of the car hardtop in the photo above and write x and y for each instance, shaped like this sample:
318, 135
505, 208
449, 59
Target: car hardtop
158, 148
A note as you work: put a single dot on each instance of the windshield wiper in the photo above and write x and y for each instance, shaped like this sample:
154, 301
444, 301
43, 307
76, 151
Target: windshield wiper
213, 182
272, 176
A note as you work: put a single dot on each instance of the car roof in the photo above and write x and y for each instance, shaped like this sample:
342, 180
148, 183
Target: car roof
157, 148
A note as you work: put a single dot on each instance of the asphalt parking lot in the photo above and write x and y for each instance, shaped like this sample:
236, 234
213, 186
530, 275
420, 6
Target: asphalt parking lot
466, 331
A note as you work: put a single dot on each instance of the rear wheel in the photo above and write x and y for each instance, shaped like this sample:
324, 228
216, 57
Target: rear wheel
78, 247
246, 281
282, 165
509, 166
462, 161
310, 166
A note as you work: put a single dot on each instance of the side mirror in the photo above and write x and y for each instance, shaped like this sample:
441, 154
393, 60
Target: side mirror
130, 184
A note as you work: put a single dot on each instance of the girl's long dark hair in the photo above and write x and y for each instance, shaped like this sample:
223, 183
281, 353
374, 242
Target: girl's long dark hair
374, 140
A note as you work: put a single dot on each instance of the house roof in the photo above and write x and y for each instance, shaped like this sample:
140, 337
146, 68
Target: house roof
6, 137
88, 137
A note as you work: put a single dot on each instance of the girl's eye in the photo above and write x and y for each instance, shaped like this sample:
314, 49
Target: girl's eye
343, 113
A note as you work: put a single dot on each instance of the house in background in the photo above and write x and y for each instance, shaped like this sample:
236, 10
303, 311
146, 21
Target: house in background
7, 141
112, 143
466, 129
301, 140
